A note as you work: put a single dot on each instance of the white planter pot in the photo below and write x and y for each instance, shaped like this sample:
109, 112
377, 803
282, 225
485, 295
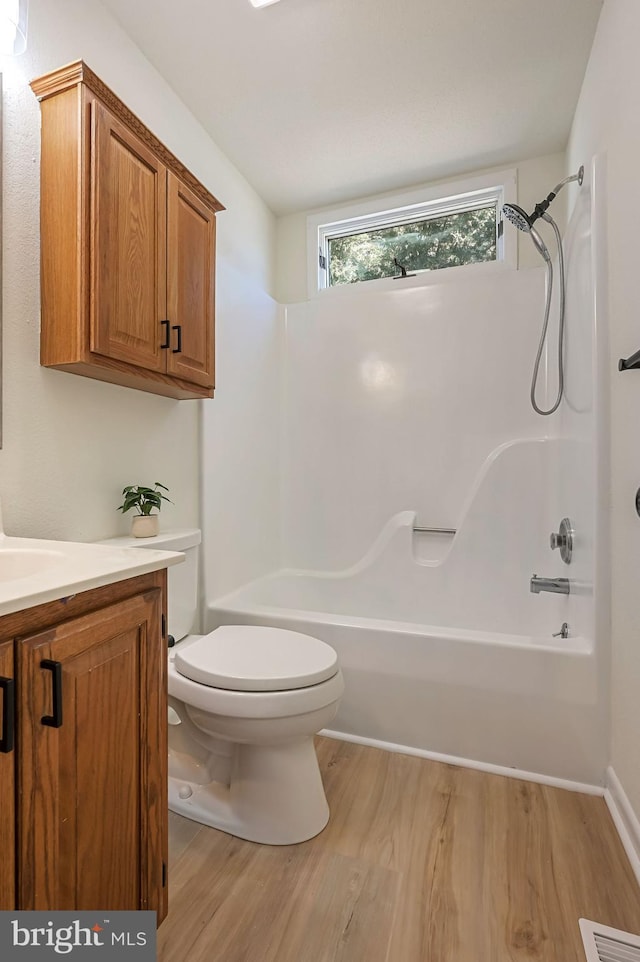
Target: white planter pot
145, 525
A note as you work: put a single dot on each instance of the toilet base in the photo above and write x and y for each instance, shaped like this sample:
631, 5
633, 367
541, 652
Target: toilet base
274, 796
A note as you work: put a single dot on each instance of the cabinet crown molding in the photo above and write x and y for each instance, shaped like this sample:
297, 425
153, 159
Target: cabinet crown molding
76, 73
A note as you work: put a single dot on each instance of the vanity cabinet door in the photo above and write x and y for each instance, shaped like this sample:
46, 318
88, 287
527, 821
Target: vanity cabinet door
191, 252
92, 761
128, 259
7, 782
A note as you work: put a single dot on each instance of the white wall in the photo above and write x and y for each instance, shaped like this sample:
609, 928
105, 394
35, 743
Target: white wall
536, 178
70, 444
607, 122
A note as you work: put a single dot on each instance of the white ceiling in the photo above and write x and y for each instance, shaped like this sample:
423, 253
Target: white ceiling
321, 101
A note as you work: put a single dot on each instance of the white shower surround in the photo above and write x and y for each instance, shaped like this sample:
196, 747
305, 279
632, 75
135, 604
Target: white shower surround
482, 574
413, 406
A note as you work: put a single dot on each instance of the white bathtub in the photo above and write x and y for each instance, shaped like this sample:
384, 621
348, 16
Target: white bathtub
505, 700
443, 647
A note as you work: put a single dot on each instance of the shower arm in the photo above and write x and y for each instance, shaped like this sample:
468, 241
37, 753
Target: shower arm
542, 207
569, 180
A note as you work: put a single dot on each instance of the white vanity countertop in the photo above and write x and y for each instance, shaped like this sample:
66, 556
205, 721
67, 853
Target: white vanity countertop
33, 572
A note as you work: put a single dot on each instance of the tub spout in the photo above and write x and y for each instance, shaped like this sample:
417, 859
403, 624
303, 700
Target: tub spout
559, 586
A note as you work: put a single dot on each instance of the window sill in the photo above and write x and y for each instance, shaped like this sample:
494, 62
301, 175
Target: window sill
424, 279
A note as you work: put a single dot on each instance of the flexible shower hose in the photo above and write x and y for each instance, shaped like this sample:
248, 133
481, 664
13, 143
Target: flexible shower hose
545, 325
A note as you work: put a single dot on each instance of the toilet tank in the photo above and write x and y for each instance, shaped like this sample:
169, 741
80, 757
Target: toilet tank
182, 579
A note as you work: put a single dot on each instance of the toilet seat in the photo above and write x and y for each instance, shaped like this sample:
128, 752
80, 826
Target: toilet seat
252, 658
254, 704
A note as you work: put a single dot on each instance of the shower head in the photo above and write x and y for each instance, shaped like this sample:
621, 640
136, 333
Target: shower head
524, 222
518, 217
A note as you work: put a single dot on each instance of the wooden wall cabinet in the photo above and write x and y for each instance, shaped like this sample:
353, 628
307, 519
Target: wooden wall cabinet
83, 786
127, 246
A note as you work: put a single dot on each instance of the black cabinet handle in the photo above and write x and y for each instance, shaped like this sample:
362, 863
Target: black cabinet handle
167, 337
8, 711
55, 667
178, 328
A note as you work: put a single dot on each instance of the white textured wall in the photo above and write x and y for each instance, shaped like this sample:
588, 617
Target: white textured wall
607, 122
70, 443
536, 178
241, 443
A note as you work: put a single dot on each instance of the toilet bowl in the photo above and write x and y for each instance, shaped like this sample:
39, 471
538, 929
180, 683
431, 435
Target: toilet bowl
245, 702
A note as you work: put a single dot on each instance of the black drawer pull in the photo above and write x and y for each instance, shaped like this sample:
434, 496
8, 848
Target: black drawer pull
178, 328
55, 667
8, 706
166, 343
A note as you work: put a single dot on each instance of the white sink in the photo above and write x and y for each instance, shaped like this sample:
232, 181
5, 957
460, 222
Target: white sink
24, 562
34, 571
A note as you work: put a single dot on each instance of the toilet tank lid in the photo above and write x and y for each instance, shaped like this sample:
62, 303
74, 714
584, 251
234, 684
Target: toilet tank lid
178, 539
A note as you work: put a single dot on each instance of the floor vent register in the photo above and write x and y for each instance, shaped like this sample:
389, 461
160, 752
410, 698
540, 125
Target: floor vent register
604, 944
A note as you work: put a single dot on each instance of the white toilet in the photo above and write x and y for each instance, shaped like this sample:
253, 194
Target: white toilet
245, 702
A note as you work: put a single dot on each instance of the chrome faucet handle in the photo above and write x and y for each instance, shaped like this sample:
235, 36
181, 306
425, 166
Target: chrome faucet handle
564, 631
563, 539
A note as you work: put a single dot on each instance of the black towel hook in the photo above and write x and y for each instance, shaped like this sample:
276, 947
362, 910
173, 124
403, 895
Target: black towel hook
630, 363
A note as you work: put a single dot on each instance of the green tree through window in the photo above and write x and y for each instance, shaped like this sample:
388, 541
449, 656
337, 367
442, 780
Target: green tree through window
468, 237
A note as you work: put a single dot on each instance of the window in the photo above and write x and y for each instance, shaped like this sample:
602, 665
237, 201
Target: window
408, 239
450, 240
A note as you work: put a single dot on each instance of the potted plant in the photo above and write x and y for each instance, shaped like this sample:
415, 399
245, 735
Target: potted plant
144, 524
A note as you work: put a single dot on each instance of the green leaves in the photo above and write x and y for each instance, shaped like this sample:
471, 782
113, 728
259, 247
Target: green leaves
142, 498
447, 241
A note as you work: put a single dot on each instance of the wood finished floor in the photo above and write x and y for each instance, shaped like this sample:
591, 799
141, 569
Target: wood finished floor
420, 862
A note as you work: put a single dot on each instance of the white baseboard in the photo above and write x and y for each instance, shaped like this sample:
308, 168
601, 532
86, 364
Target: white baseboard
625, 819
551, 780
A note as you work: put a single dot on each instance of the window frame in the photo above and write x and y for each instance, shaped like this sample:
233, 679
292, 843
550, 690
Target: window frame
390, 210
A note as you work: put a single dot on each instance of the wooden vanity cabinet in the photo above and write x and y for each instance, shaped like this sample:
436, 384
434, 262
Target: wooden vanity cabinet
127, 246
7, 779
88, 827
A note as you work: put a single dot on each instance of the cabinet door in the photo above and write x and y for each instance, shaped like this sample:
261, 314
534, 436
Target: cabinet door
128, 245
191, 239
7, 782
92, 810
